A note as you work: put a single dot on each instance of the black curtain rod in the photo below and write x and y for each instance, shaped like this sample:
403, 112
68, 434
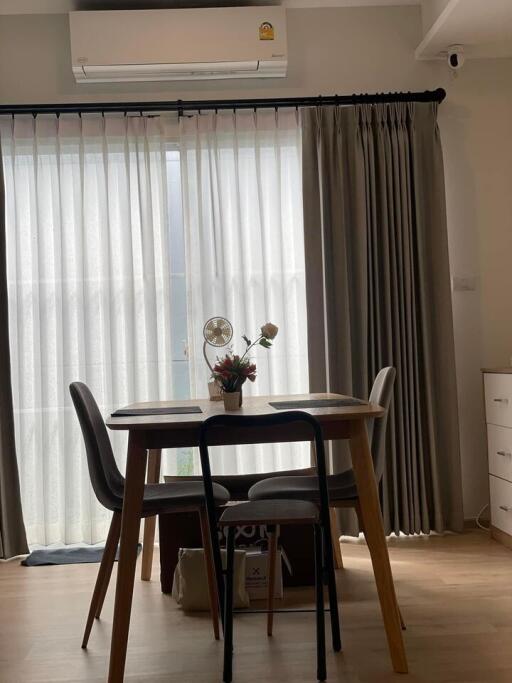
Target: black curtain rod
198, 105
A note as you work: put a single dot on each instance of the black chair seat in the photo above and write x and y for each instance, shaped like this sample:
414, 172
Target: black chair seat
238, 485
270, 512
341, 487
161, 498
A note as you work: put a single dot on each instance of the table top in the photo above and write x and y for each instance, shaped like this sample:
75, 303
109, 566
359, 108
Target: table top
252, 405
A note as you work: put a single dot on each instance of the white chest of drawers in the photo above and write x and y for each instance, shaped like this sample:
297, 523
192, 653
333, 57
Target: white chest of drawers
498, 415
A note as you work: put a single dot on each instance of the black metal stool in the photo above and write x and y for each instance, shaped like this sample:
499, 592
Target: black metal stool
273, 513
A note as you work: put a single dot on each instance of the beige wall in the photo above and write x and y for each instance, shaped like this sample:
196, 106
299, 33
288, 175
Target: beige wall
476, 128
329, 50
431, 10
359, 50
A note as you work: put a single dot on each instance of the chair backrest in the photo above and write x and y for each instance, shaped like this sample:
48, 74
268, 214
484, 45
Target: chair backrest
381, 393
311, 429
106, 479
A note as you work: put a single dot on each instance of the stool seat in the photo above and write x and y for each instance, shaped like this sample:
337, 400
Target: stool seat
270, 512
341, 487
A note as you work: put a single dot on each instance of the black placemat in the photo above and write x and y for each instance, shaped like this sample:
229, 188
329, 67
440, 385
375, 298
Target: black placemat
138, 412
317, 403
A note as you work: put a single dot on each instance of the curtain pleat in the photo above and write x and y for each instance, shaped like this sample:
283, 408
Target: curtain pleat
378, 294
242, 203
13, 539
89, 289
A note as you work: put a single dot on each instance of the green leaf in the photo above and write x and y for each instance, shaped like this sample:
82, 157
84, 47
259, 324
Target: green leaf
246, 340
265, 343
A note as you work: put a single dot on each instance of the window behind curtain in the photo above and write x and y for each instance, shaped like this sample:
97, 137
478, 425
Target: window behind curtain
101, 289
90, 291
181, 461
242, 198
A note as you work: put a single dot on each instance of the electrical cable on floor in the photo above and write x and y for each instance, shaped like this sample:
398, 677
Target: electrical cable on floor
478, 523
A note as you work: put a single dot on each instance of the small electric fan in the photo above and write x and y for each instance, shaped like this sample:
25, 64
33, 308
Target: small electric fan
217, 332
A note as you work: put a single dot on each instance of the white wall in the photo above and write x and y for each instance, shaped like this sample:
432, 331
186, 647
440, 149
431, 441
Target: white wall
476, 124
348, 50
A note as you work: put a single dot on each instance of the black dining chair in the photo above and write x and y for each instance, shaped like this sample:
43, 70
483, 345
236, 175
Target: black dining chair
342, 487
272, 513
108, 485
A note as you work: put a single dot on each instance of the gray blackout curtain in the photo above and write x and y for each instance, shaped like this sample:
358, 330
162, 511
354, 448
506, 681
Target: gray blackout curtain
12, 530
378, 292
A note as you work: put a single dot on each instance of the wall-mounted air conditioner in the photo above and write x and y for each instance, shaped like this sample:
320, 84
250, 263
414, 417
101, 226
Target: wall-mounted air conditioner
178, 45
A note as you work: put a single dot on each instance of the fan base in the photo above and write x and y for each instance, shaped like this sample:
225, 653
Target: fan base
214, 391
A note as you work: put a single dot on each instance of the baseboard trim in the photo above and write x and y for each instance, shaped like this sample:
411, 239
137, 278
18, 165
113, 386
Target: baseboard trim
502, 537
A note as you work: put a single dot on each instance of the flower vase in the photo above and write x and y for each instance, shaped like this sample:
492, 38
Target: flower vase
232, 400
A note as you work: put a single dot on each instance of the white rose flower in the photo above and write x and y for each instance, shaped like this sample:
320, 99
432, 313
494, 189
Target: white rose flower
269, 331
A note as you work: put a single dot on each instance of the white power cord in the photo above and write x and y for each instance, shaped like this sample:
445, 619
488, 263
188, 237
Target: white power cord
478, 523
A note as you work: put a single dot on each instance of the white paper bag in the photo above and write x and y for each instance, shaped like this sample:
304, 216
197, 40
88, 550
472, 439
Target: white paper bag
190, 584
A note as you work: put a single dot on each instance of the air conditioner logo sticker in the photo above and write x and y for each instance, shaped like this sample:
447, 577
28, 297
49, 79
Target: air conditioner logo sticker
266, 31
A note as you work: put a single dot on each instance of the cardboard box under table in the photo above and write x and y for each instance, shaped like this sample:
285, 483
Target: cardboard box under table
182, 530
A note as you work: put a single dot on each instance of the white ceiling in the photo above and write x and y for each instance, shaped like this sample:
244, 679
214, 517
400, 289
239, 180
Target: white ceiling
482, 27
62, 6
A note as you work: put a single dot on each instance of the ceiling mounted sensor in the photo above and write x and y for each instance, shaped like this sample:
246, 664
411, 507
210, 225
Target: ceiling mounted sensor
178, 45
455, 57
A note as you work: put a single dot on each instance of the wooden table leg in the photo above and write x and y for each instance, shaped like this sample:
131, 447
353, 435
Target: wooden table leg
148, 544
130, 527
374, 531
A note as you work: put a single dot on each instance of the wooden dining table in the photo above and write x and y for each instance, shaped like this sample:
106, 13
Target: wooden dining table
151, 433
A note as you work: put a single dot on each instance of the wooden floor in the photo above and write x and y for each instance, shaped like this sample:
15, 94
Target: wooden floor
455, 593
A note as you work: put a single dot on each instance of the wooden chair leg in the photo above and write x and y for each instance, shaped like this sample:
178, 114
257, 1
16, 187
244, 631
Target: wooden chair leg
111, 559
213, 594
273, 533
148, 544
104, 573
336, 545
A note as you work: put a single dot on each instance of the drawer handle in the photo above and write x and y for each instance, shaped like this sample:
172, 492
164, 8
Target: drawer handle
500, 400
505, 454
505, 508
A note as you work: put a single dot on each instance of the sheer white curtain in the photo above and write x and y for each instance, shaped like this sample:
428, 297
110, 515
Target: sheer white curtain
242, 207
89, 293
